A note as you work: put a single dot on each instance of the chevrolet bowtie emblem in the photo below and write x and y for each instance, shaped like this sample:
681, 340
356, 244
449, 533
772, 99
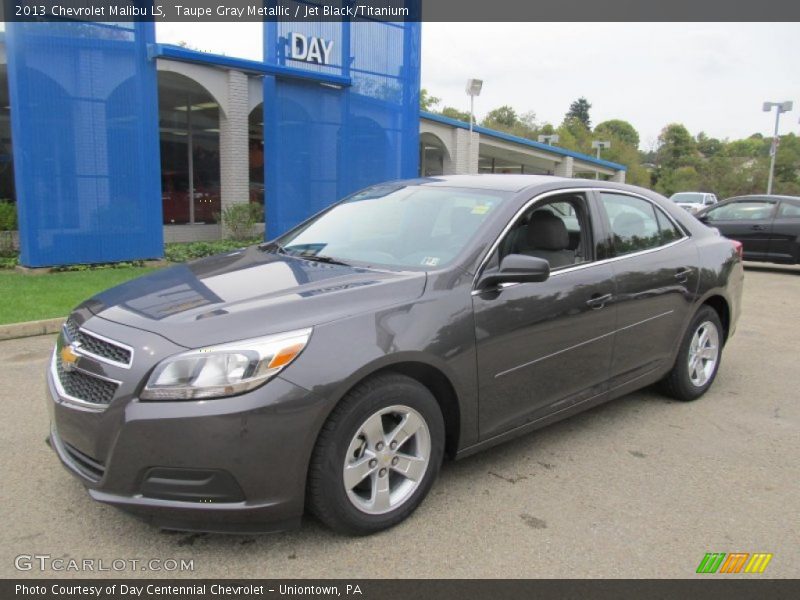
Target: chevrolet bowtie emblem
68, 357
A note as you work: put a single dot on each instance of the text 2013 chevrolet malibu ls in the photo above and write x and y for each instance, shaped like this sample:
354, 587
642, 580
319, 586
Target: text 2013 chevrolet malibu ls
333, 368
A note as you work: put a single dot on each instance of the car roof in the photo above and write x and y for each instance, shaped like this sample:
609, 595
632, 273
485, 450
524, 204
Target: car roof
501, 182
764, 197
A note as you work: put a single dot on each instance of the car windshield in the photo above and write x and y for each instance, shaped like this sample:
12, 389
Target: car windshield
395, 225
687, 198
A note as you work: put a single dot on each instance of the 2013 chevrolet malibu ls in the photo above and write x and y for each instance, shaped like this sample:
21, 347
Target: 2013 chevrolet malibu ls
333, 368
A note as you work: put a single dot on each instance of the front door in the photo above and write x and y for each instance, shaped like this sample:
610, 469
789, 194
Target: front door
784, 245
543, 347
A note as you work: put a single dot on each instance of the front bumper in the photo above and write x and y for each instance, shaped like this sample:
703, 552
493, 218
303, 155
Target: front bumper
256, 447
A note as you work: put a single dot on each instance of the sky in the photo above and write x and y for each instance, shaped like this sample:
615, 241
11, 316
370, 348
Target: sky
712, 77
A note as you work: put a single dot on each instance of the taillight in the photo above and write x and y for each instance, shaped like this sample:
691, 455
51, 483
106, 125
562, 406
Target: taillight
737, 247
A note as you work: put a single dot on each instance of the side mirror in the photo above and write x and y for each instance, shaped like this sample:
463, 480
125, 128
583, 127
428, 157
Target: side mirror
517, 268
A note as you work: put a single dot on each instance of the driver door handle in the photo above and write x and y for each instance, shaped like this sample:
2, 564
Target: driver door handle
757, 227
598, 301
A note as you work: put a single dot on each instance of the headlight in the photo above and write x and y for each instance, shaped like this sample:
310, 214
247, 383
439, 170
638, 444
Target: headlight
224, 370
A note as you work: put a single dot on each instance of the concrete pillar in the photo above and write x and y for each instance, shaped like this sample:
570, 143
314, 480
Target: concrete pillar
233, 143
465, 159
565, 168
619, 177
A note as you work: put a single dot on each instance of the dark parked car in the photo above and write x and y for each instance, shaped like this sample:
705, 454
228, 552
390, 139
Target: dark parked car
767, 226
331, 369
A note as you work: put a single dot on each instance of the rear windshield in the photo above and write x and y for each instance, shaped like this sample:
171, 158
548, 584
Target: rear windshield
687, 198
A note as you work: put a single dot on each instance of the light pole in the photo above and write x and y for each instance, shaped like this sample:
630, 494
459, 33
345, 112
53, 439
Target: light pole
548, 139
773, 151
473, 89
599, 145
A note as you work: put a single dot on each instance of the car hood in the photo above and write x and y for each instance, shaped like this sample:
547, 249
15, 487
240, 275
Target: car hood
249, 293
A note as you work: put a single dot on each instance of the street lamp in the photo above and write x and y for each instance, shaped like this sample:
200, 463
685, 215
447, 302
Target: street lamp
548, 139
599, 145
773, 151
473, 89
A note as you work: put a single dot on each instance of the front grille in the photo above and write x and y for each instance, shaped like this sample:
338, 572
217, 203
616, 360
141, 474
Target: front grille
94, 345
88, 466
85, 387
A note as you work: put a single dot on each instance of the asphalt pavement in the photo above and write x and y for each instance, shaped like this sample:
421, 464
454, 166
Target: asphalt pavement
640, 487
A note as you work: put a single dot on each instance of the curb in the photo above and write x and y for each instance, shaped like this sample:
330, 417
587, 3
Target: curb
30, 328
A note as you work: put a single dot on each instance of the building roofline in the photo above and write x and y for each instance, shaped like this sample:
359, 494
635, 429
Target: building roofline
172, 52
520, 140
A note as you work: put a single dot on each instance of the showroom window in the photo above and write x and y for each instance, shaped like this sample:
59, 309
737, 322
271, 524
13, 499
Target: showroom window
7, 191
188, 119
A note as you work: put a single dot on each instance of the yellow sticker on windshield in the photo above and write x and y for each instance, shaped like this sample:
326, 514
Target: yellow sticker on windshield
481, 209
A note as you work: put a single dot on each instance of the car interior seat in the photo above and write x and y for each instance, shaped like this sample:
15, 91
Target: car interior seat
547, 237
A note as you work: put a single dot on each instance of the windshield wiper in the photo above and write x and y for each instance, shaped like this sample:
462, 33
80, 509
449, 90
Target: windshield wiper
330, 260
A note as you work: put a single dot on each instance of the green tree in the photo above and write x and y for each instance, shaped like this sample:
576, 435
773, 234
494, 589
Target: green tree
580, 110
751, 147
454, 113
506, 119
787, 165
624, 149
677, 148
503, 118
681, 179
427, 102
574, 135
619, 130
708, 146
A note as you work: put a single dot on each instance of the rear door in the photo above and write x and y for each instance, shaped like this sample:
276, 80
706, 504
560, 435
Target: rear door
784, 245
655, 265
748, 221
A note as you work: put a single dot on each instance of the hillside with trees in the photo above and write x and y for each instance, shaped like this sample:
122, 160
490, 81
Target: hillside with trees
681, 161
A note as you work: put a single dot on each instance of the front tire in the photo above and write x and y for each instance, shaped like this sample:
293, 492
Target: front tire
377, 456
698, 358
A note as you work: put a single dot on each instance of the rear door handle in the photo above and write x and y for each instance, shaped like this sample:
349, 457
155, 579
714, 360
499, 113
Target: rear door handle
757, 227
683, 274
598, 301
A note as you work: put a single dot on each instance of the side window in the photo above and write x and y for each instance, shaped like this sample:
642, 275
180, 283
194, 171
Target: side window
789, 210
557, 230
746, 210
669, 231
633, 222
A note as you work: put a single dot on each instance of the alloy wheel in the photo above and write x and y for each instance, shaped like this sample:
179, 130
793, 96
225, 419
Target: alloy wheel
387, 459
703, 353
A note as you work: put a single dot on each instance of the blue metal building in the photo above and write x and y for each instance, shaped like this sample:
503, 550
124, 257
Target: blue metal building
121, 143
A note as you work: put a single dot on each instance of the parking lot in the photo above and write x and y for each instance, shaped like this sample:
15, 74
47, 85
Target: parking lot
640, 487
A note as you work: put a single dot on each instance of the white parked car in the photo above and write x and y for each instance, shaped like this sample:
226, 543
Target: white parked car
693, 201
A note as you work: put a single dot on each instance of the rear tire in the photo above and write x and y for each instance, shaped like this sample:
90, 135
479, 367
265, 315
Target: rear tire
698, 358
377, 456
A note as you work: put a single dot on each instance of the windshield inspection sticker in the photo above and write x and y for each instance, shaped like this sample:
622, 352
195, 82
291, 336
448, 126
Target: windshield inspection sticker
481, 209
430, 261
